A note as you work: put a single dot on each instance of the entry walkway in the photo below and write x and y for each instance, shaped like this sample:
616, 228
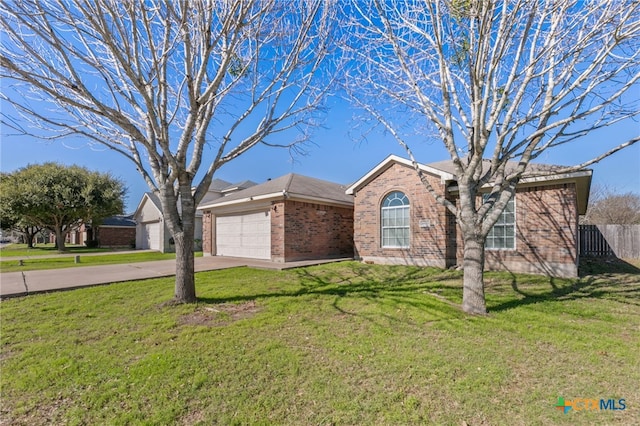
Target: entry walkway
14, 284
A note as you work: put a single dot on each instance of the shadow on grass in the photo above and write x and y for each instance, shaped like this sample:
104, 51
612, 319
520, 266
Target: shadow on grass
611, 279
604, 266
439, 292
418, 288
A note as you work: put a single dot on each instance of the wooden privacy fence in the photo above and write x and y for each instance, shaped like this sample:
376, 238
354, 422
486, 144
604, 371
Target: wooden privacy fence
621, 241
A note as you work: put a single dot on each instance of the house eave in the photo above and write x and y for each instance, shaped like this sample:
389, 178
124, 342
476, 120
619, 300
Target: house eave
276, 196
388, 162
581, 178
264, 197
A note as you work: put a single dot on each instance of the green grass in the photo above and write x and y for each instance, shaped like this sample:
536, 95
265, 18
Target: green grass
21, 250
343, 343
14, 265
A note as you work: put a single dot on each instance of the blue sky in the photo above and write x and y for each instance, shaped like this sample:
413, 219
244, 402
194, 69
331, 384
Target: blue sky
338, 154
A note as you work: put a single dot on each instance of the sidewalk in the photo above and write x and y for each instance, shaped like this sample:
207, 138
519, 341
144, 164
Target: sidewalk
14, 284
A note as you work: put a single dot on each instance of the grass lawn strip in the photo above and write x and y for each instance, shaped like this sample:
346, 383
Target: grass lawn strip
21, 250
342, 343
38, 264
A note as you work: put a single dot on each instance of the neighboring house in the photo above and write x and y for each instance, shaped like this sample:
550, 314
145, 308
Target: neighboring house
151, 231
290, 218
116, 232
398, 222
74, 236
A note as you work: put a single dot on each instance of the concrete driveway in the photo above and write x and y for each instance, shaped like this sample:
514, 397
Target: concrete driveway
13, 284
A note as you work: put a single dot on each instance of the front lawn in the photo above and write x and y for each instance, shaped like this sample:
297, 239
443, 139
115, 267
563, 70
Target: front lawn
58, 262
342, 343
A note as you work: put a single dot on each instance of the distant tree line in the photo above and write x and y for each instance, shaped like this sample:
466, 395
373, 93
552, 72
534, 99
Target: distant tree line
608, 207
58, 198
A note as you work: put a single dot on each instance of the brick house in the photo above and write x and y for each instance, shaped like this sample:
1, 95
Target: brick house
398, 222
115, 231
286, 219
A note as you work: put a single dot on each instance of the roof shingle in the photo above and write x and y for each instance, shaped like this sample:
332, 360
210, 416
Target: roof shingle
292, 185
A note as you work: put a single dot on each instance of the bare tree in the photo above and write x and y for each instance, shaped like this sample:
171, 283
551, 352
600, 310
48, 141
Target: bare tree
503, 80
178, 87
608, 207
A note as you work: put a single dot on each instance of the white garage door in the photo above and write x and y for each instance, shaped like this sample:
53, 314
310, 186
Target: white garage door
151, 236
247, 235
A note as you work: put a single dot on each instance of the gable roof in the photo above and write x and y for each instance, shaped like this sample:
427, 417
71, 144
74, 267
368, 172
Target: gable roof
218, 185
119, 220
153, 198
238, 186
290, 186
536, 174
390, 161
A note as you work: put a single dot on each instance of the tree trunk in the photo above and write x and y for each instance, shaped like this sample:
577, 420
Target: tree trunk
473, 301
60, 237
28, 236
185, 289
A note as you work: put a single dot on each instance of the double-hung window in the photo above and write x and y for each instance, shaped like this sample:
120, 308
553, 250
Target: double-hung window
503, 234
395, 220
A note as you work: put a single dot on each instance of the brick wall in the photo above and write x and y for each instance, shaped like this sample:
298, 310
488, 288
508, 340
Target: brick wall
546, 227
546, 233
116, 236
207, 234
301, 230
277, 231
430, 223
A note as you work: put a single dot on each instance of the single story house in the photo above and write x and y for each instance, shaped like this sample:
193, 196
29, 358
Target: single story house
290, 218
151, 231
116, 231
397, 221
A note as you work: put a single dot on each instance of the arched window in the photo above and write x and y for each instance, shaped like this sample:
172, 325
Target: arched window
395, 220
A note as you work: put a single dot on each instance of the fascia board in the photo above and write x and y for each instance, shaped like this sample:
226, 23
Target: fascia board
390, 160
232, 209
547, 179
556, 177
277, 196
271, 196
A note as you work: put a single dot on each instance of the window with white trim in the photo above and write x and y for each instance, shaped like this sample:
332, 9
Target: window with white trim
503, 234
394, 213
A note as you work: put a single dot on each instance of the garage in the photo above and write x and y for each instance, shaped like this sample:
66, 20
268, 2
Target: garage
150, 238
244, 235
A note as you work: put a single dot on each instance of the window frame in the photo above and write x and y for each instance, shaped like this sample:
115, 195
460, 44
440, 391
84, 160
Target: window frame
405, 216
501, 223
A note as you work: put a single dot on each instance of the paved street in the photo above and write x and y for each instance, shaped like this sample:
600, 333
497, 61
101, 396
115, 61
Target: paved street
13, 284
